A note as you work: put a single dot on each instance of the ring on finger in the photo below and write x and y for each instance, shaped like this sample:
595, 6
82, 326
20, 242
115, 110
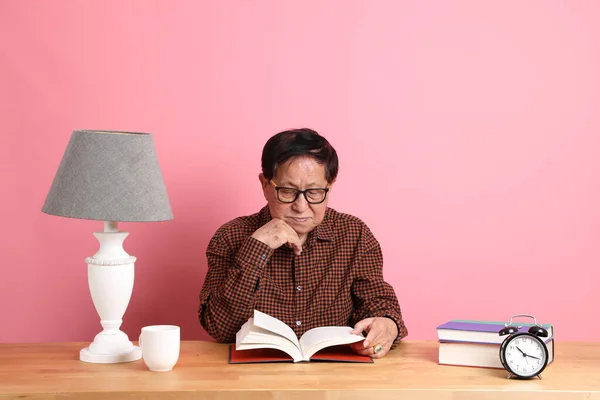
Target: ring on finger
377, 348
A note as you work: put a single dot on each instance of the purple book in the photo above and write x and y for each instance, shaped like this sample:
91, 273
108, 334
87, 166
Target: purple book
480, 331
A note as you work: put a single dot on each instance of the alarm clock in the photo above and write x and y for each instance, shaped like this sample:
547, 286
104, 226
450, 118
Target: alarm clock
523, 354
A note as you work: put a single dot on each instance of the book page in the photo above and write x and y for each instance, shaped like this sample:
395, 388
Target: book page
249, 333
319, 338
286, 347
252, 337
274, 325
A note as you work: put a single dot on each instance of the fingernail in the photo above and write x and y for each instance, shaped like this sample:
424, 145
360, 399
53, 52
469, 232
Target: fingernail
366, 343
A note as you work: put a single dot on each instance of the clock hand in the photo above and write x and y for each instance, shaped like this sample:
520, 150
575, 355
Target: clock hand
522, 352
527, 355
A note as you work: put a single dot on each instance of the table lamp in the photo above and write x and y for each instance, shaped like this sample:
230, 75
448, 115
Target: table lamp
110, 176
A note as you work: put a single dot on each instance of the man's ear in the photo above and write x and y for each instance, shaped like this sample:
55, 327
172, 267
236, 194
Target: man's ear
330, 185
264, 182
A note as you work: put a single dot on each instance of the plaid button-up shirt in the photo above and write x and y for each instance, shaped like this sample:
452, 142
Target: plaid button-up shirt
336, 281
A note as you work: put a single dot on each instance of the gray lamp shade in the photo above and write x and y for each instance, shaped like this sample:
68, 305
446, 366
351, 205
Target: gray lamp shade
109, 176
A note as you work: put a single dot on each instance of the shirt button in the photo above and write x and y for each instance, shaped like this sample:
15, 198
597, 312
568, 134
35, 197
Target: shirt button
298, 323
298, 287
263, 256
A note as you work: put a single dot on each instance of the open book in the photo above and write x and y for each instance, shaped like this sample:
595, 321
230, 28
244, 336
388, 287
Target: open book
266, 332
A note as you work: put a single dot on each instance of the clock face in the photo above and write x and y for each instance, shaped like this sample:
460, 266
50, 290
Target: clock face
525, 355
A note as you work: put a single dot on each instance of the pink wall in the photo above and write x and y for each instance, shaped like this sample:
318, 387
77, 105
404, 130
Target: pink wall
468, 133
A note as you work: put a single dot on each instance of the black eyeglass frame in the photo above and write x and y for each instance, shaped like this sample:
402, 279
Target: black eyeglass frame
298, 192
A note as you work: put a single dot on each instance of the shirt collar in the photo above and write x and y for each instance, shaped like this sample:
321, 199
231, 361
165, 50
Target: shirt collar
264, 215
324, 230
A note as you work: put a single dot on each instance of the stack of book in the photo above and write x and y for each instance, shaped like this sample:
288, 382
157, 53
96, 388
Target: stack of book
477, 343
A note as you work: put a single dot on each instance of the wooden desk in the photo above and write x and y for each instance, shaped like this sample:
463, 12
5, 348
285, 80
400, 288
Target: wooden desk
52, 371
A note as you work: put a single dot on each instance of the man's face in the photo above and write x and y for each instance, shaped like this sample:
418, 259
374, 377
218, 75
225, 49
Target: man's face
300, 173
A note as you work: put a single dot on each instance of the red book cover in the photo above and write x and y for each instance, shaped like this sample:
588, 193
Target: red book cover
341, 353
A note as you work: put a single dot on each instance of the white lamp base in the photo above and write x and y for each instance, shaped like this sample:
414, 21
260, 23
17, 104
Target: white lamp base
110, 278
87, 356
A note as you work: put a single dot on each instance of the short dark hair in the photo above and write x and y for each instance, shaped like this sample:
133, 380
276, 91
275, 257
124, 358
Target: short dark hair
299, 142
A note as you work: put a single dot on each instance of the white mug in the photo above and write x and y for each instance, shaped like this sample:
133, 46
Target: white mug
160, 346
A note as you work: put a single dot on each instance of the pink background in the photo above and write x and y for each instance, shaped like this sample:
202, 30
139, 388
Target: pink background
468, 133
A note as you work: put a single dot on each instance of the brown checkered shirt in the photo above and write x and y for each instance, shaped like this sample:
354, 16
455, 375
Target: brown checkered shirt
336, 281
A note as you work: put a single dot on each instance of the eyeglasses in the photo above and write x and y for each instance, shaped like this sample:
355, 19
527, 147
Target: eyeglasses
290, 195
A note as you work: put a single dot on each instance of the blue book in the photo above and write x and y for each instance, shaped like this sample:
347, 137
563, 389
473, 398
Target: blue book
481, 331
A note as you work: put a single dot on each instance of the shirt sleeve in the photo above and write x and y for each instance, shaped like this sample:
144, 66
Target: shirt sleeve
228, 294
372, 296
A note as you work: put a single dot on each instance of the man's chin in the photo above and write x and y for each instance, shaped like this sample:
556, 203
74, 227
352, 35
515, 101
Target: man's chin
301, 229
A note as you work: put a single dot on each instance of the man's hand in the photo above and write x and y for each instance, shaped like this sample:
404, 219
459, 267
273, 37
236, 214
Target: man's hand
276, 233
381, 331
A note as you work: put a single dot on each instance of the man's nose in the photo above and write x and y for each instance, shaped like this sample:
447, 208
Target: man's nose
300, 204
